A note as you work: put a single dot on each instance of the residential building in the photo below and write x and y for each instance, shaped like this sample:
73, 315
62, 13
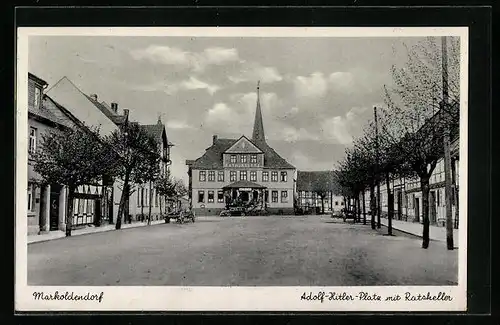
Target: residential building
407, 191
318, 190
241, 170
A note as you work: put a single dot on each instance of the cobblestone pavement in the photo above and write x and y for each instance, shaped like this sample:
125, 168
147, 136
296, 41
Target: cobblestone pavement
242, 251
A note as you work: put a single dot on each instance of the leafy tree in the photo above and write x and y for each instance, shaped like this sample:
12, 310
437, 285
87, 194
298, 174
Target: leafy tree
132, 144
73, 158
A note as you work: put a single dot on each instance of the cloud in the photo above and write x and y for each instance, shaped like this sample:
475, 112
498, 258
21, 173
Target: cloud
196, 61
341, 80
291, 134
220, 55
313, 86
178, 125
254, 72
340, 128
171, 88
305, 162
317, 84
194, 83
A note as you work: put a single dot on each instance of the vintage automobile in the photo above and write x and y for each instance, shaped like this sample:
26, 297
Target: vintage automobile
181, 216
233, 211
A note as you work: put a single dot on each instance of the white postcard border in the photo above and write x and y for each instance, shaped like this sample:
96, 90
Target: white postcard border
169, 298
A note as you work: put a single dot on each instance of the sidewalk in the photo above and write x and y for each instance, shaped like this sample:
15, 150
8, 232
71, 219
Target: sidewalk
435, 233
87, 230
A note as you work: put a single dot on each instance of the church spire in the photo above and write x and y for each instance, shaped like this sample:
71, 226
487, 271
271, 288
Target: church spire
258, 126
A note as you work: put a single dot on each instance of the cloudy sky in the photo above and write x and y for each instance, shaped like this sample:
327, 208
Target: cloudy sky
316, 93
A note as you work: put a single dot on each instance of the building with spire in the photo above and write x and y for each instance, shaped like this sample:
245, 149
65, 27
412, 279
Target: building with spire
242, 172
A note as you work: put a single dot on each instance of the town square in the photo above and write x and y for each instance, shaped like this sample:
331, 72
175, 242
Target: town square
243, 161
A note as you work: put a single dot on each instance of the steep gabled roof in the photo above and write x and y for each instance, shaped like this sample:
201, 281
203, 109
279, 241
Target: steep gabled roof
314, 180
212, 158
45, 113
156, 131
103, 107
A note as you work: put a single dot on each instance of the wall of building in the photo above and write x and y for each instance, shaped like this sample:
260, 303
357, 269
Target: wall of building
215, 207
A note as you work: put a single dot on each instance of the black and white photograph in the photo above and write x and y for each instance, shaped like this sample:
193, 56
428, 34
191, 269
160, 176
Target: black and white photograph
162, 166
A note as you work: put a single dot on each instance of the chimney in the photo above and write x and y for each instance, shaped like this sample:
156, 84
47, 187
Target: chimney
125, 112
214, 139
94, 97
114, 107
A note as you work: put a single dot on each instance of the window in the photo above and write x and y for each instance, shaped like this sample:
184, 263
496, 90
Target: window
232, 176
211, 176
336, 202
37, 97
243, 159
233, 159
139, 198
243, 175
266, 196
220, 176
438, 197
284, 196
253, 159
142, 197
203, 176
146, 198
283, 176
274, 176
32, 140
220, 196
210, 196
253, 176
31, 197
265, 176
342, 203
156, 198
275, 196
201, 196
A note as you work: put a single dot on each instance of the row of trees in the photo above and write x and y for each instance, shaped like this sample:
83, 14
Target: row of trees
81, 156
408, 136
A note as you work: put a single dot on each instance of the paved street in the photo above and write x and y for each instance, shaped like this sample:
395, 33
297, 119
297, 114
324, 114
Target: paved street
284, 251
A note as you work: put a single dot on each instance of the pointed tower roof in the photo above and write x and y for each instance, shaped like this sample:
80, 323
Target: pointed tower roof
258, 126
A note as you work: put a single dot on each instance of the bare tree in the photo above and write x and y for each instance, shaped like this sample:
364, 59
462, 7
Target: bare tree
417, 115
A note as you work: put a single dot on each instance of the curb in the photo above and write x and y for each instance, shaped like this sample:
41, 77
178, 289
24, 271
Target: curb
92, 233
419, 236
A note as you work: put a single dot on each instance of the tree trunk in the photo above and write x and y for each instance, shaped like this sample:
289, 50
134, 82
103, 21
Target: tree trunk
121, 206
150, 198
372, 204
390, 209
448, 190
359, 207
364, 208
161, 212
379, 204
69, 212
142, 204
322, 205
424, 184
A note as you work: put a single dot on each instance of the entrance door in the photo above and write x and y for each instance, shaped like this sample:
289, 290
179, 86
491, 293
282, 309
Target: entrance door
417, 209
244, 196
432, 207
54, 211
400, 205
